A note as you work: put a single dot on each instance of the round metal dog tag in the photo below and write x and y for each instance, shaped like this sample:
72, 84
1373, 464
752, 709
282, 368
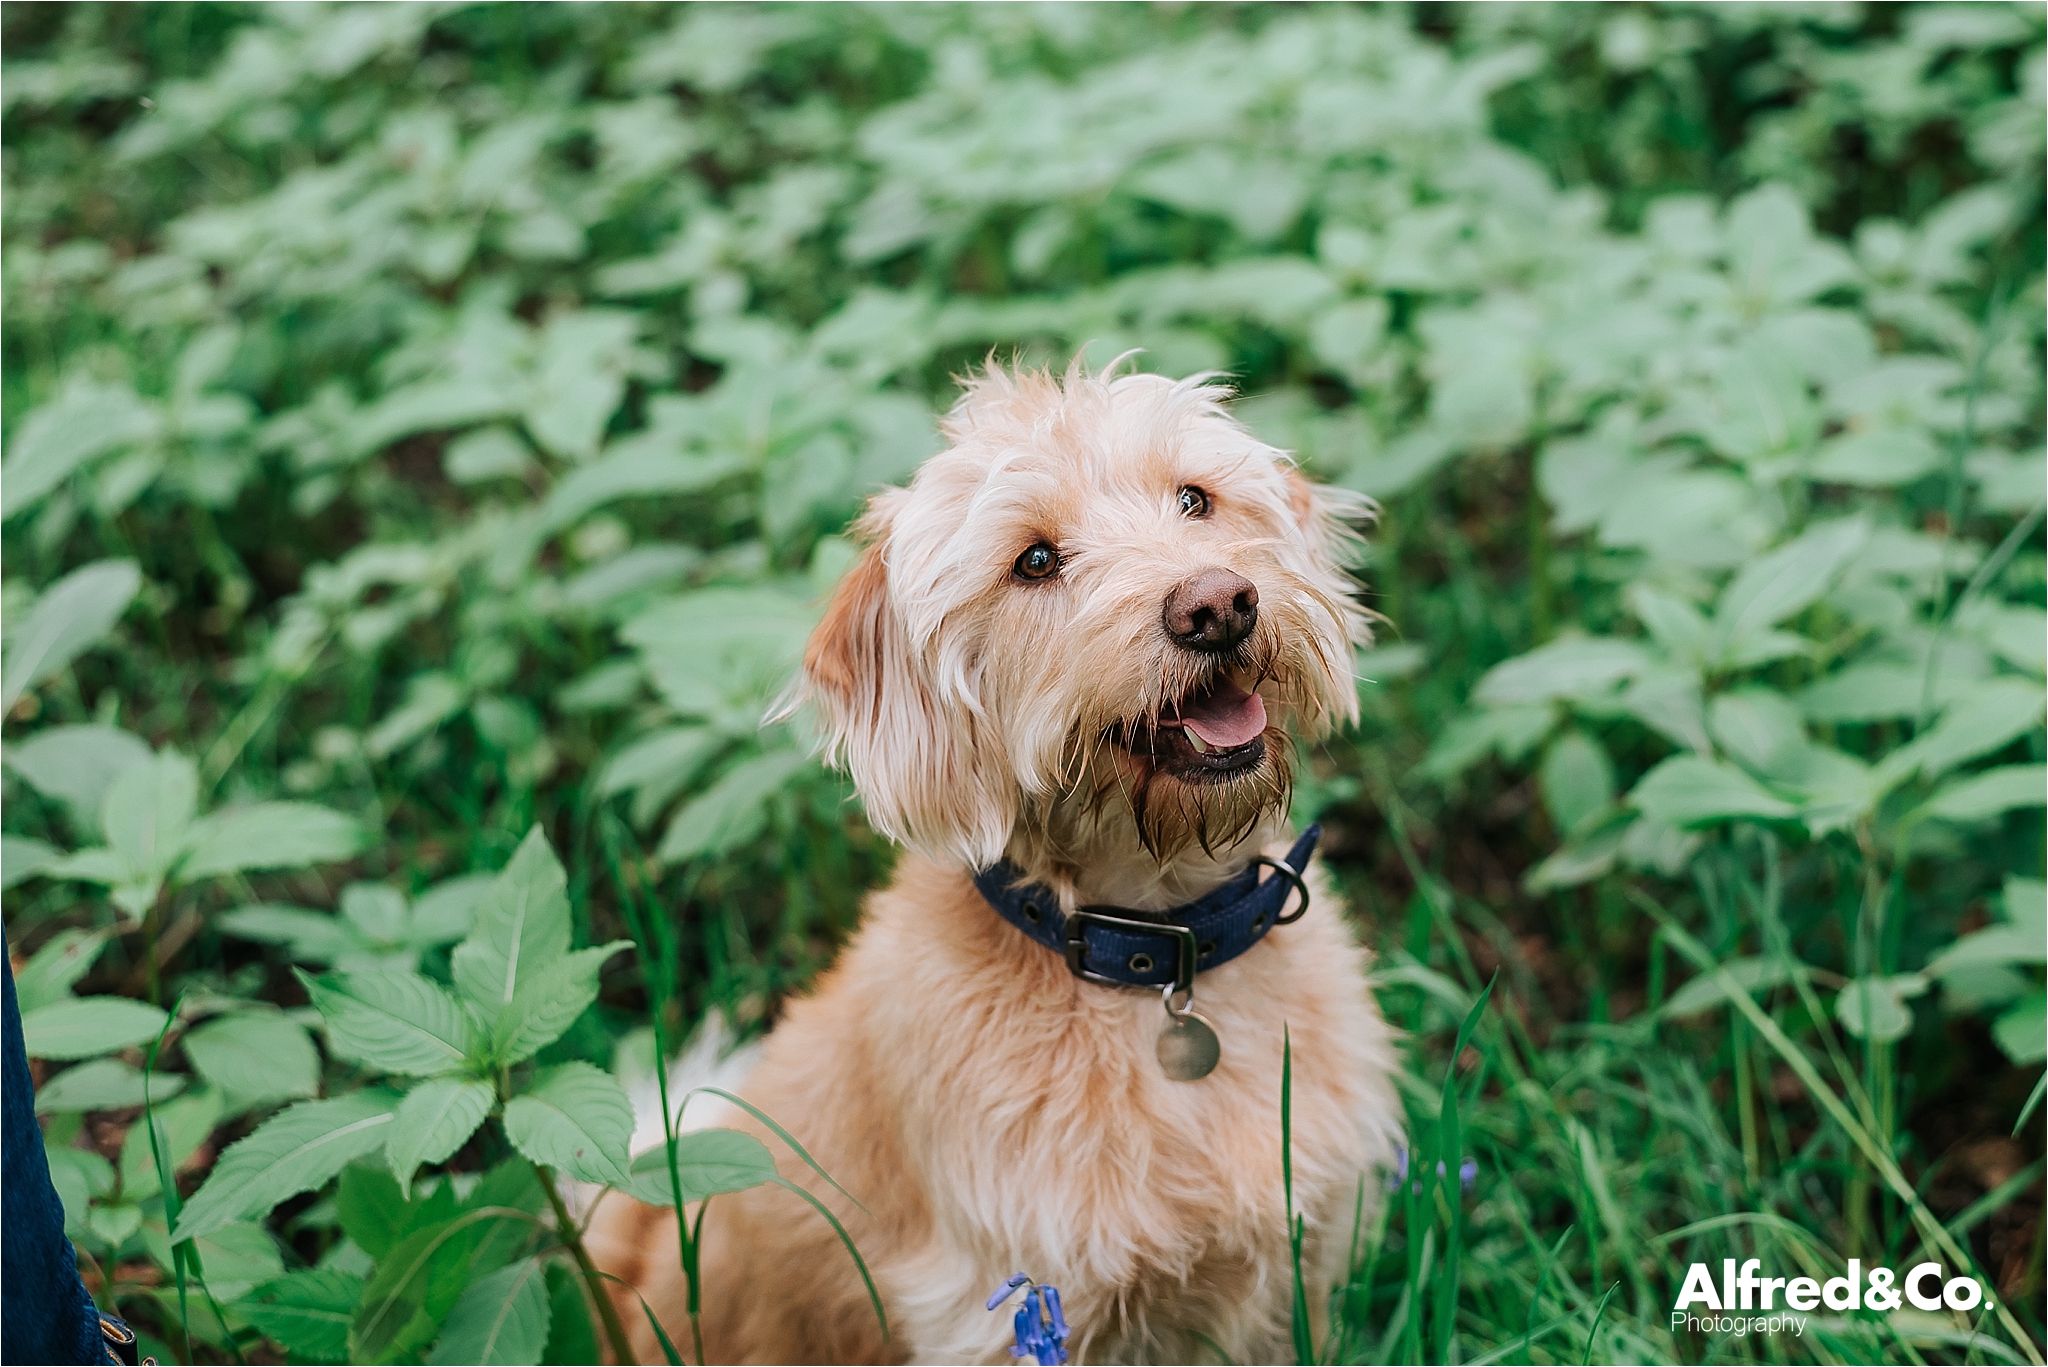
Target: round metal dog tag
1188, 1047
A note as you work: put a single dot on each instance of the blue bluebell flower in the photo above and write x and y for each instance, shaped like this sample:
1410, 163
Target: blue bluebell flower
1041, 1324
1468, 1173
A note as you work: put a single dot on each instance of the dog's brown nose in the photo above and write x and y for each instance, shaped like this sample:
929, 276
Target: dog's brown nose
1213, 611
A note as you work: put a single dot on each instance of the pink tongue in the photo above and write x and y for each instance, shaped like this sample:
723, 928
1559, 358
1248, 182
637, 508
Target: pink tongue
1227, 718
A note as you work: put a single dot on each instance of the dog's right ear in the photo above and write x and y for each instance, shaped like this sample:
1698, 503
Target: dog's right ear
912, 757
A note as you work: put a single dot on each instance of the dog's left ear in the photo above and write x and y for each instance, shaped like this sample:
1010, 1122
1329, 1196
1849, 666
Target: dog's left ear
922, 771
1332, 519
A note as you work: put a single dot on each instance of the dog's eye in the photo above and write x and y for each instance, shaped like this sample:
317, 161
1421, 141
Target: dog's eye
1040, 562
1193, 501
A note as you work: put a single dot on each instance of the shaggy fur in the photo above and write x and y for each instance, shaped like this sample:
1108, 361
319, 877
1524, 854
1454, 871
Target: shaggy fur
994, 1113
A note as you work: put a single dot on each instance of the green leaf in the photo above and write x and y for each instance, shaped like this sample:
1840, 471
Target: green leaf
308, 1312
521, 926
77, 764
1773, 587
1991, 793
104, 1084
576, 1120
79, 1176
296, 1150
2026, 904
1751, 974
1992, 945
2022, 1032
235, 1259
2016, 632
1510, 732
1577, 781
1879, 459
86, 421
268, 835
715, 648
181, 1125
113, 1224
148, 810
82, 1027
708, 1163
394, 1020
629, 472
1687, 790
255, 1058
23, 857
375, 1214
1875, 1008
655, 767
435, 1119
548, 1003
315, 936
378, 913
1578, 861
1676, 624
1573, 667
430, 699
500, 1319
439, 1250
1988, 718
50, 972
733, 810
65, 622
572, 1338
447, 910
1871, 690
1758, 728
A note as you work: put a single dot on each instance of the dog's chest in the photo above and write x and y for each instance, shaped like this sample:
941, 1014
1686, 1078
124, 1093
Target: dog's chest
1051, 1142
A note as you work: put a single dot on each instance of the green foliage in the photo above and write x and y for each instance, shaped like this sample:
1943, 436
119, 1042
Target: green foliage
429, 432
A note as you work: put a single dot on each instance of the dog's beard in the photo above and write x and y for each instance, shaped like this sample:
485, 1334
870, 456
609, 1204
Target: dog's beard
1173, 814
1182, 793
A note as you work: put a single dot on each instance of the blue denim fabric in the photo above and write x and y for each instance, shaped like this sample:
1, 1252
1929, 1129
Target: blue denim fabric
46, 1314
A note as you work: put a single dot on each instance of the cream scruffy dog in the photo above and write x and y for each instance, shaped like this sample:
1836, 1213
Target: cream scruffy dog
1069, 661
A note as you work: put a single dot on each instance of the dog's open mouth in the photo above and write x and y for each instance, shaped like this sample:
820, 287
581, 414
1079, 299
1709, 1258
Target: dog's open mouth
1214, 731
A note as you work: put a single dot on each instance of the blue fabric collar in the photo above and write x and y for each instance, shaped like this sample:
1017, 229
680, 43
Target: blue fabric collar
1127, 948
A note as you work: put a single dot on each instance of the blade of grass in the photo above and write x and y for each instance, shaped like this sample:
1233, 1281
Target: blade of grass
2033, 1100
1449, 1144
1304, 1341
1988, 1204
874, 1296
1543, 1330
1594, 1333
1536, 1296
782, 1134
1795, 1058
164, 1177
668, 1346
655, 972
1813, 1257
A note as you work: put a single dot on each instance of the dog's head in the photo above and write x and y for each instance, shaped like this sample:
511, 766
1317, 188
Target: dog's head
1105, 602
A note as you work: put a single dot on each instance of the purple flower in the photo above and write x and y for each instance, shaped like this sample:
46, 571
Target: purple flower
1002, 1293
1041, 1325
1468, 1172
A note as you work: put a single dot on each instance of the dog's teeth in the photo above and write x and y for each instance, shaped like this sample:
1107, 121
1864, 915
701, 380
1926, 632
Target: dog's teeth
1201, 746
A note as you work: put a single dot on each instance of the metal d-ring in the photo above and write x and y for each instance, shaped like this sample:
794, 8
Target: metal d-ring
1166, 991
1287, 871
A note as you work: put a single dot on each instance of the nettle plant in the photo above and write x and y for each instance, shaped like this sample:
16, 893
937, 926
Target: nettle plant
466, 1268
155, 842
1814, 700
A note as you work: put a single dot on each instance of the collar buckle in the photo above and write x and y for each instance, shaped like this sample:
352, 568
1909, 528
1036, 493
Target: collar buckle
1186, 949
